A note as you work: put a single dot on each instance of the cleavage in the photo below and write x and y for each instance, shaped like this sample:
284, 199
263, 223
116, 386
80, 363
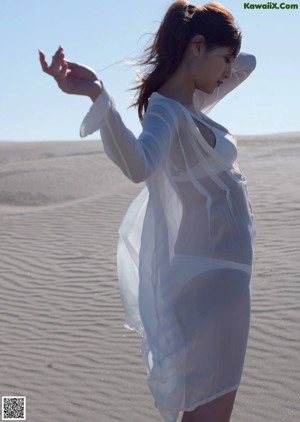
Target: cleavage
207, 133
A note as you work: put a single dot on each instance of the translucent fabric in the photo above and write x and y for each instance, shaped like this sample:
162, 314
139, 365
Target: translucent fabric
186, 245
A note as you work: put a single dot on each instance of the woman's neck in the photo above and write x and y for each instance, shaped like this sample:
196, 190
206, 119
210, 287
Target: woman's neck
179, 87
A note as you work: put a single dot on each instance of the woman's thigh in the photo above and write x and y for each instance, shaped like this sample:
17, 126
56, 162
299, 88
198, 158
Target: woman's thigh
218, 410
213, 313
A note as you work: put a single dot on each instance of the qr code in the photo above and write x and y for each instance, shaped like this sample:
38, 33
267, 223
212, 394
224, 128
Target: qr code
13, 408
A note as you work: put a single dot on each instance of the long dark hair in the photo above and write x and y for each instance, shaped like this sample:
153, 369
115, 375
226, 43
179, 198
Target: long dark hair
181, 23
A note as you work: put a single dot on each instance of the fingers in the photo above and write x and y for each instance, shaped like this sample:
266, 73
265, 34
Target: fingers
60, 66
62, 73
81, 72
43, 62
72, 78
57, 60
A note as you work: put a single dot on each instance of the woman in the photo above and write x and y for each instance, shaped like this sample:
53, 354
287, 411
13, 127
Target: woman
186, 242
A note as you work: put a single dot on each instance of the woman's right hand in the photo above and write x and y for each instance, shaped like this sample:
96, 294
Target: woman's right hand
72, 78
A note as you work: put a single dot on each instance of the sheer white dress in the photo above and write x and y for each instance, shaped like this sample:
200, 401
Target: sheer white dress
186, 244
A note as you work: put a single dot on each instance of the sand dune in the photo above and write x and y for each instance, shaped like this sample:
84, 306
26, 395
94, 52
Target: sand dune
63, 344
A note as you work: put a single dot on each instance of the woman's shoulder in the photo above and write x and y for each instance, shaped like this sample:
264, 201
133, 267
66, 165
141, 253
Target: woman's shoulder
157, 98
165, 105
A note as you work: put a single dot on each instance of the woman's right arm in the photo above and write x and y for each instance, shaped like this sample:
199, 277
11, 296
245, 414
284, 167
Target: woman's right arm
72, 78
136, 157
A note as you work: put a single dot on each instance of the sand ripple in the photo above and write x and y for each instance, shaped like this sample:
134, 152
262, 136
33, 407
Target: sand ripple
63, 345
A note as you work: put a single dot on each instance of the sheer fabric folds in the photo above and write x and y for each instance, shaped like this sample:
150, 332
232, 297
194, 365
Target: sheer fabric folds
185, 247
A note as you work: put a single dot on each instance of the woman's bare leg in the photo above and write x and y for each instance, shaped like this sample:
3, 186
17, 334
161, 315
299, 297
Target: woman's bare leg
218, 410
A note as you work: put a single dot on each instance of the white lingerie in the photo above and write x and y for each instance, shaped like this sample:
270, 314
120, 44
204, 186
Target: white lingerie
186, 245
225, 142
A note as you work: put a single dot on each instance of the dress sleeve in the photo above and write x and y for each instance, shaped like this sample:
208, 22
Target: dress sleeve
136, 157
241, 69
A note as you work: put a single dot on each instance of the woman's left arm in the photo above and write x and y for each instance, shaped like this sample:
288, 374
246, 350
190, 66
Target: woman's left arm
241, 69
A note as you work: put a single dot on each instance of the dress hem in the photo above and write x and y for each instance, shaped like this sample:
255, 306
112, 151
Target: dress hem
210, 399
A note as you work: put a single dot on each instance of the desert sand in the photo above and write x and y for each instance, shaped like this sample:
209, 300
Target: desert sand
63, 344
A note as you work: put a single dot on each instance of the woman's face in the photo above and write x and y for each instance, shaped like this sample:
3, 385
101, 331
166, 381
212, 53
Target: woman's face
211, 67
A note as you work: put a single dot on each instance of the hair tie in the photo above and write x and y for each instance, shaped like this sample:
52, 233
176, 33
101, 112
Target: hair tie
189, 11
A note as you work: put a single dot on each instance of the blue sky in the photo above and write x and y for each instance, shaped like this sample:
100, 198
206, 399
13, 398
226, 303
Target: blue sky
99, 33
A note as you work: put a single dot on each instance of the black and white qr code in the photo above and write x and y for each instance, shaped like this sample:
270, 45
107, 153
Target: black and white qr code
13, 408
